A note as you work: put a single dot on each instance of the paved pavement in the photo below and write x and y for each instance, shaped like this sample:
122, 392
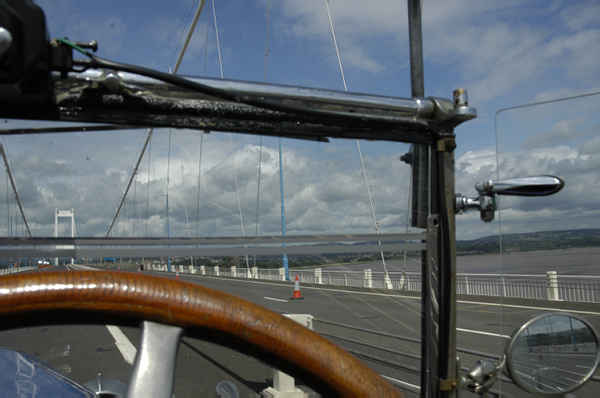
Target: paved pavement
83, 351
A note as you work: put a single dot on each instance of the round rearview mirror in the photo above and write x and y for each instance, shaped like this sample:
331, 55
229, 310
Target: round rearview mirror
552, 354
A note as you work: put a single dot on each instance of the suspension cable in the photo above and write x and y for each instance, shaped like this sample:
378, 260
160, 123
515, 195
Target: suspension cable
217, 35
230, 139
238, 195
182, 32
362, 163
134, 204
15, 186
261, 138
336, 46
187, 220
267, 41
199, 184
156, 196
258, 193
148, 188
6, 205
136, 164
167, 233
206, 46
202, 133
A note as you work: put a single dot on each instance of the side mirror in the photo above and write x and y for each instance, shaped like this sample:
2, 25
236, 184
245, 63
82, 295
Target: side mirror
552, 354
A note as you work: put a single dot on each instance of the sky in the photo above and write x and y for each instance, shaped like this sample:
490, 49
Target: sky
505, 54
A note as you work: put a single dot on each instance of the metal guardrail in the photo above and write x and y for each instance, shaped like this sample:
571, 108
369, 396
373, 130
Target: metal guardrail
80, 267
7, 271
14, 270
576, 288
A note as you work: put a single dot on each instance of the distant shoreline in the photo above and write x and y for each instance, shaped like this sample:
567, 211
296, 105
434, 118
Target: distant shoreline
569, 261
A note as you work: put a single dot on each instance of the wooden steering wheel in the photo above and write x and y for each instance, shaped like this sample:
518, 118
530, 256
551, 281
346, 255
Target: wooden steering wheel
93, 297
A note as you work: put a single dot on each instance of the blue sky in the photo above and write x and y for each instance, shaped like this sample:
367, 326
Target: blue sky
504, 53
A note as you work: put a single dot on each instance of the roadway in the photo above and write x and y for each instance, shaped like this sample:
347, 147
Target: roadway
83, 351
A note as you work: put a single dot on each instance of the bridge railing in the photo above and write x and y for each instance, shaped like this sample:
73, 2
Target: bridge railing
81, 267
581, 289
550, 286
6, 271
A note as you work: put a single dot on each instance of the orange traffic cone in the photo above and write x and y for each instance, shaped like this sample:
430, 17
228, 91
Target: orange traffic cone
177, 274
297, 295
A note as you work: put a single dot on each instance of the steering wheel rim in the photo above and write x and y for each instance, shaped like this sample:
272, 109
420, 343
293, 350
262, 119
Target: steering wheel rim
93, 297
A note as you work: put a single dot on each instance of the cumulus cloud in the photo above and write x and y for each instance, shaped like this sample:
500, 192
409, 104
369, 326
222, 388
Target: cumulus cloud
581, 16
563, 130
323, 184
500, 51
490, 44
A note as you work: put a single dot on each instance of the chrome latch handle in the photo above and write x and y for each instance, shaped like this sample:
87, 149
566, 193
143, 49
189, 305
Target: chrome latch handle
543, 185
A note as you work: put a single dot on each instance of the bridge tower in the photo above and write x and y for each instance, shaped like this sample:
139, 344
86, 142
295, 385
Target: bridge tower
64, 213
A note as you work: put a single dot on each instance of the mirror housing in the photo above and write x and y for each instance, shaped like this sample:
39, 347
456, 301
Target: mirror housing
552, 354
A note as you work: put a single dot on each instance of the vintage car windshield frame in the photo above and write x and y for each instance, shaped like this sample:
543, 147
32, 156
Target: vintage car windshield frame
118, 96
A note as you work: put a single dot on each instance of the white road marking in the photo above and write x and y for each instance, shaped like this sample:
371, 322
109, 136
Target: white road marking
123, 344
401, 382
484, 333
528, 307
275, 299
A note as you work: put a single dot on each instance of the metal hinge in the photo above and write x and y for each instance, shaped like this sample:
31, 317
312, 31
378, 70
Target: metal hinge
446, 145
449, 385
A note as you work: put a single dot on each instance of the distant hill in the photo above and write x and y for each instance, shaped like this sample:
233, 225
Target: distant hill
545, 240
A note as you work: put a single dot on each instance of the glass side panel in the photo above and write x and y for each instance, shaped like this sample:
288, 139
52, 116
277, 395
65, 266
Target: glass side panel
550, 245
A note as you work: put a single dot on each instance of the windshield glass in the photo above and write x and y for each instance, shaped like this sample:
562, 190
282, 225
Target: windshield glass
549, 245
181, 183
